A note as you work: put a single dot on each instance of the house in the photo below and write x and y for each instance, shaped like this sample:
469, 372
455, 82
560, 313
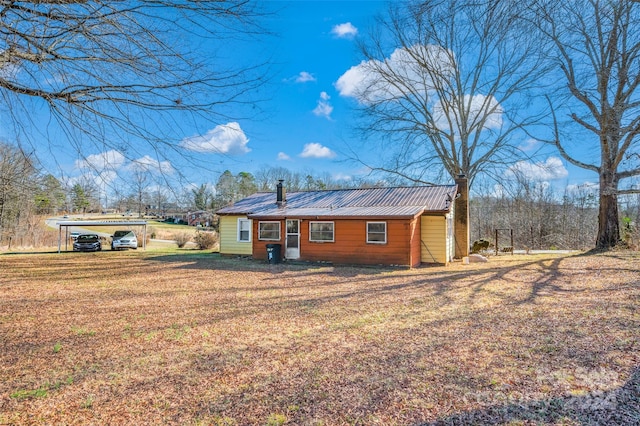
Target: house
390, 226
199, 218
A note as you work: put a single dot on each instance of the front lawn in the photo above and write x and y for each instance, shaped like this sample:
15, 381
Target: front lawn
174, 338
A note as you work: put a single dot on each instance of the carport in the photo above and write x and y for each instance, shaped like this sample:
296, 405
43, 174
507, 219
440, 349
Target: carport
93, 223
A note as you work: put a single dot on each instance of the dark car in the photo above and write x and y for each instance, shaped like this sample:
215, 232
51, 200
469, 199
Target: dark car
87, 242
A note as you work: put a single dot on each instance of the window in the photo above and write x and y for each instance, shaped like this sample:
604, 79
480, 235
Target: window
269, 231
377, 232
321, 231
244, 230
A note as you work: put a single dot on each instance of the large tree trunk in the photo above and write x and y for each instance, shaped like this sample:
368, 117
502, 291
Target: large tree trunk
608, 224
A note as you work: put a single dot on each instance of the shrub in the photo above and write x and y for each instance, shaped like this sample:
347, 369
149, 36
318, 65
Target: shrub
480, 245
182, 239
205, 240
140, 237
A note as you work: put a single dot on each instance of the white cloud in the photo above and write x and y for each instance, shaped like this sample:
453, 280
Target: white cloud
478, 108
346, 30
304, 77
223, 139
106, 177
283, 157
550, 169
99, 179
323, 108
354, 80
149, 164
366, 82
110, 160
342, 176
529, 145
316, 150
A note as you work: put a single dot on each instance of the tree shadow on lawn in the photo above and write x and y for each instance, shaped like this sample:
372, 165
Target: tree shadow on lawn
620, 406
213, 261
284, 286
544, 275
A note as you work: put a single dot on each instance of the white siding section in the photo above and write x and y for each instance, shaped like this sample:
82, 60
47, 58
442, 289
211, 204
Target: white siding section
451, 238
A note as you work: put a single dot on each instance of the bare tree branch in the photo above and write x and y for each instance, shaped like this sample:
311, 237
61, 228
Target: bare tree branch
597, 49
110, 73
449, 97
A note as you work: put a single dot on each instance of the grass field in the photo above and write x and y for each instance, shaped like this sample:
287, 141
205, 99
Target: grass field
193, 338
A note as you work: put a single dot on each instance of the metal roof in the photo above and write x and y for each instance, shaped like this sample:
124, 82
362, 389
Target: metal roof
101, 222
361, 202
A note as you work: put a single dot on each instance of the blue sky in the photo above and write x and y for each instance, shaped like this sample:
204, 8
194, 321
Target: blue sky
312, 113
301, 123
305, 123
309, 122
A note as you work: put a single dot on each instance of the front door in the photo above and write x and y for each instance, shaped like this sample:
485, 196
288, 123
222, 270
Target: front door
293, 239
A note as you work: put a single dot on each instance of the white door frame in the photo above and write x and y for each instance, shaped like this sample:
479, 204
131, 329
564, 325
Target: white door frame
292, 250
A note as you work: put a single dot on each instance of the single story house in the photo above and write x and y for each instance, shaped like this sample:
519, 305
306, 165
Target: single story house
389, 226
199, 218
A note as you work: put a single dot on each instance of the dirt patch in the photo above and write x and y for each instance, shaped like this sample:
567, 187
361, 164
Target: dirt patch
134, 337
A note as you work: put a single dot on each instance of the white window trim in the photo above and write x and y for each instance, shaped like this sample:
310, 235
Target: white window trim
244, 219
270, 239
332, 240
385, 233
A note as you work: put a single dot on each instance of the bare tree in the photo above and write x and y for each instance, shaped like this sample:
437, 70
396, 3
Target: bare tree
140, 186
597, 53
17, 188
202, 196
160, 199
123, 75
267, 177
84, 195
50, 195
538, 218
452, 95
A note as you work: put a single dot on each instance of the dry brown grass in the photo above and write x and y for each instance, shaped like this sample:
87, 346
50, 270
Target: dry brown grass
147, 338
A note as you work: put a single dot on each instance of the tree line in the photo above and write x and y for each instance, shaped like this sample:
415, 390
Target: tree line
539, 217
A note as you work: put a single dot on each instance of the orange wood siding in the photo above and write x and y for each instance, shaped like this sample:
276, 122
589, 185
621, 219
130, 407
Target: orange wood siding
260, 246
403, 246
351, 247
415, 242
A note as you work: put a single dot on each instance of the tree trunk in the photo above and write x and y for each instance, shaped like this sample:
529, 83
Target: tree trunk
608, 224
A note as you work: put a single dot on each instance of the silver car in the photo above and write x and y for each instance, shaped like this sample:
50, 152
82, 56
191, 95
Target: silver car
123, 239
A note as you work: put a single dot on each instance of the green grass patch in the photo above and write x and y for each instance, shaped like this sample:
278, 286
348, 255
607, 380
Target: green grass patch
28, 394
82, 331
42, 391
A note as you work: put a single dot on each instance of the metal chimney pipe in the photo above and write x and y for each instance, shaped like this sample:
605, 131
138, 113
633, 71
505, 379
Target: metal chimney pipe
281, 196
